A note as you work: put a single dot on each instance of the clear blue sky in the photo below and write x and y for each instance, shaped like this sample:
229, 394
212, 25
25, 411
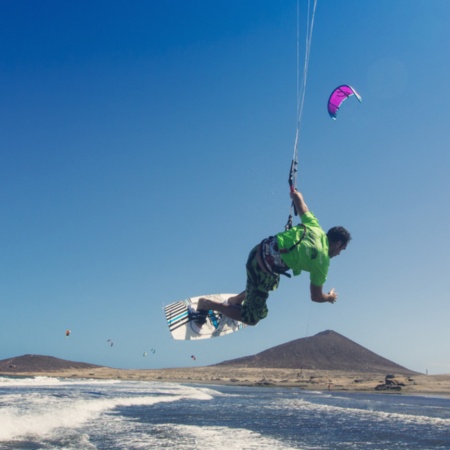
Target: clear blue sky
145, 148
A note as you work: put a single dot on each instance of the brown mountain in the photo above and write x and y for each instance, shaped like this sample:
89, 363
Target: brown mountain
38, 363
327, 350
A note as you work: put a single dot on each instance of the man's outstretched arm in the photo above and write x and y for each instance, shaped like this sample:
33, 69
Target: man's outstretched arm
317, 295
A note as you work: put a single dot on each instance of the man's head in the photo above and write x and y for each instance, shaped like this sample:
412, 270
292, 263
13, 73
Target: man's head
338, 238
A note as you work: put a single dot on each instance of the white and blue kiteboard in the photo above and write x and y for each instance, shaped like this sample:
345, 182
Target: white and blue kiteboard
182, 324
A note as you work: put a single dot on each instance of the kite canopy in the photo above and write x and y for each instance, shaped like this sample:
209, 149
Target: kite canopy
338, 96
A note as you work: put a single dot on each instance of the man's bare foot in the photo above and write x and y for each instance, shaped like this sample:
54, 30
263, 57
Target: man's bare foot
203, 304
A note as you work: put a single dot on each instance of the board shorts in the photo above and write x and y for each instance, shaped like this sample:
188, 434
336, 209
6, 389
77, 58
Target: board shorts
259, 284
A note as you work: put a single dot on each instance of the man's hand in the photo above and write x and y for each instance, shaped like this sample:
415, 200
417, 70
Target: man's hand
332, 296
320, 297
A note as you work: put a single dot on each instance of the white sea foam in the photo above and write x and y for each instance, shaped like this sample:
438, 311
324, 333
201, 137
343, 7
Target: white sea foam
49, 381
199, 437
41, 413
374, 415
32, 381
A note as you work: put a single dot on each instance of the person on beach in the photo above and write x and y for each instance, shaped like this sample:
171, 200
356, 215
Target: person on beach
305, 247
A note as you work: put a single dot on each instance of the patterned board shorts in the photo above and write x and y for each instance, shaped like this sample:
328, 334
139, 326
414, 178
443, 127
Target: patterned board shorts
259, 284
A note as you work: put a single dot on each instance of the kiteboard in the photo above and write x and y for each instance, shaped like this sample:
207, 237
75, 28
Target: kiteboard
181, 318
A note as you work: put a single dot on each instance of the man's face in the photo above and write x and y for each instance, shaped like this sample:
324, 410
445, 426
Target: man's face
336, 248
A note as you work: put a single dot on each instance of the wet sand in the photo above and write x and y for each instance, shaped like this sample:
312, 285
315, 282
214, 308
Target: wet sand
304, 379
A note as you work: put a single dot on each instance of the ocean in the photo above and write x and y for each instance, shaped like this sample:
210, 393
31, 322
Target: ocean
51, 413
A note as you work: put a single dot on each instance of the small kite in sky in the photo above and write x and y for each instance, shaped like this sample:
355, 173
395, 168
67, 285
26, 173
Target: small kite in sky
111, 343
68, 333
338, 96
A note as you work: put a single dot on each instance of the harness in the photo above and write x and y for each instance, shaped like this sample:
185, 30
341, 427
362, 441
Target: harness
271, 254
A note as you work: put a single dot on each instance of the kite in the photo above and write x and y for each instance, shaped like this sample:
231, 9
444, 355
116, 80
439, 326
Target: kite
193, 357
68, 333
110, 342
338, 96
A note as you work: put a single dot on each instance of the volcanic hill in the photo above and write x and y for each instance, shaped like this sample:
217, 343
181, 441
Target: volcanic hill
38, 363
327, 350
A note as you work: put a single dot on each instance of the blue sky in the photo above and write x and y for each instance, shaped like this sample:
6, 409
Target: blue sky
145, 148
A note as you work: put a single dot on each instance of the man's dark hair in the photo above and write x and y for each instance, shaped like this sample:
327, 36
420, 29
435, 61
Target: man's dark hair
337, 234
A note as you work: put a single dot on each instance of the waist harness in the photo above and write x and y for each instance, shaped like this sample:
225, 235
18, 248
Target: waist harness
271, 254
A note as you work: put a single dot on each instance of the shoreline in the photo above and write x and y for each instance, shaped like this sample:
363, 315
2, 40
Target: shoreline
321, 380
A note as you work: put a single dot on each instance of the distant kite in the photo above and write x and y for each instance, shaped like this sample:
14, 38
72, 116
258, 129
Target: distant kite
338, 96
145, 354
193, 357
68, 333
111, 343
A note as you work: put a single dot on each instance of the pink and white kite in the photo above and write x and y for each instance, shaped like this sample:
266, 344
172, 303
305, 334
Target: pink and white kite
340, 94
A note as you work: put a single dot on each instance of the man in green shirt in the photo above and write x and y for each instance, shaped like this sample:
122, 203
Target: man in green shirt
304, 247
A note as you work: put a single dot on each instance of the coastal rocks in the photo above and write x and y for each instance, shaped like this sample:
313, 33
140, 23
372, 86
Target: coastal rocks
392, 383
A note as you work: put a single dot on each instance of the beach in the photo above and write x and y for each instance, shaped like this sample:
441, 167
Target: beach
304, 379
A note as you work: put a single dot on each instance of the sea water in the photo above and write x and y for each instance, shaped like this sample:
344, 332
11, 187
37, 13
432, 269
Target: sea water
51, 413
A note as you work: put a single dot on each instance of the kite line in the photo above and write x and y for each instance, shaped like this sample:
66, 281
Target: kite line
301, 91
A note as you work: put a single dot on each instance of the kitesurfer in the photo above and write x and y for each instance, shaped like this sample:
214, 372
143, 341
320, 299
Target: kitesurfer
304, 247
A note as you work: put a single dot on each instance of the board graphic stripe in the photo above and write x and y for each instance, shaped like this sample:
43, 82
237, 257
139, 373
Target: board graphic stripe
177, 315
180, 324
175, 322
177, 307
